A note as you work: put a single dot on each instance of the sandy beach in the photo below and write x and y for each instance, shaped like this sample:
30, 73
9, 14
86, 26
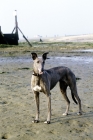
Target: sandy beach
17, 106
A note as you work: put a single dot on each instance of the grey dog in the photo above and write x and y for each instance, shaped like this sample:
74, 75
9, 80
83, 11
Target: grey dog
44, 80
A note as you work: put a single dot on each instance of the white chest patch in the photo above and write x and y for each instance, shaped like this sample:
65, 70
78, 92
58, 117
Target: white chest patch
37, 88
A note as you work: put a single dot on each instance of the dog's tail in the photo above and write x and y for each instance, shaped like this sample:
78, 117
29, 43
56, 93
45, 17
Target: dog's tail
74, 98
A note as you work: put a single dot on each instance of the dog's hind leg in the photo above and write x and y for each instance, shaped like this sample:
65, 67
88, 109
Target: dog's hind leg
63, 87
36, 94
75, 95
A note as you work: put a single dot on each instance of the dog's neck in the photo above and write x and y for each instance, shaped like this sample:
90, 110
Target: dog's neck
35, 74
37, 78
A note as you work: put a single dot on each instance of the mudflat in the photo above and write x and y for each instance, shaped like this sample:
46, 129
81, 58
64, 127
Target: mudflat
17, 105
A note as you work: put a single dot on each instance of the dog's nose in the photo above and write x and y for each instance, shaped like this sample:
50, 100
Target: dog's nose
42, 69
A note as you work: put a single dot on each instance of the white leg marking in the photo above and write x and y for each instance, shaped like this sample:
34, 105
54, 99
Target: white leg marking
37, 88
65, 114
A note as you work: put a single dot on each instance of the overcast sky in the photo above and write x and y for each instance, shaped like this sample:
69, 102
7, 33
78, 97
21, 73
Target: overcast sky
48, 17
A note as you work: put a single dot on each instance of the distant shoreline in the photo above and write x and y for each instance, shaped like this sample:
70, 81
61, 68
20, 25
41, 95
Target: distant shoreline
66, 38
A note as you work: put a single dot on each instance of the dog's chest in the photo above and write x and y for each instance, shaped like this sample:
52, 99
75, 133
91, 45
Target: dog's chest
36, 84
37, 88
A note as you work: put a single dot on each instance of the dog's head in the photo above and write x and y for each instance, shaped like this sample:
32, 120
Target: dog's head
38, 65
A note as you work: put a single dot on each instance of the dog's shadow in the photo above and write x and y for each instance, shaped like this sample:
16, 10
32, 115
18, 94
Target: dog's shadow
72, 117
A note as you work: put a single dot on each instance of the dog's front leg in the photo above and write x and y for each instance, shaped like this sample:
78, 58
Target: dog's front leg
49, 109
36, 94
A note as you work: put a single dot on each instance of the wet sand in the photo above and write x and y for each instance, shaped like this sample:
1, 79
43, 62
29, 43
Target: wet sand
17, 107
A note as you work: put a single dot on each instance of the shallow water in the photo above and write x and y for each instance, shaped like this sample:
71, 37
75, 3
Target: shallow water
82, 59
86, 50
76, 59
14, 59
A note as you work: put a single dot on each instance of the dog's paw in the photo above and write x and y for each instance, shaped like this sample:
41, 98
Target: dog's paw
35, 121
79, 113
65, 114
47, 122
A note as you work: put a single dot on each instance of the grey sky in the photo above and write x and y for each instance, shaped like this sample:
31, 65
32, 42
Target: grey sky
48, 17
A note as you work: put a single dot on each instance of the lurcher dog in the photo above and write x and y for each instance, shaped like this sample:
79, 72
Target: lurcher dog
44, 80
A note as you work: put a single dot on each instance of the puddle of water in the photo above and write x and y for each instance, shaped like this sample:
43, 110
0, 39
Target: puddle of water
14, 60
86, 50
74, 59
58, 59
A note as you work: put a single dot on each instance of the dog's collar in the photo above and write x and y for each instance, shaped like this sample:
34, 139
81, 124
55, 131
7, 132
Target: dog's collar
35, 74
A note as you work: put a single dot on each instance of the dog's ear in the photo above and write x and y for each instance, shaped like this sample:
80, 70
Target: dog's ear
34, 55
44, 56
